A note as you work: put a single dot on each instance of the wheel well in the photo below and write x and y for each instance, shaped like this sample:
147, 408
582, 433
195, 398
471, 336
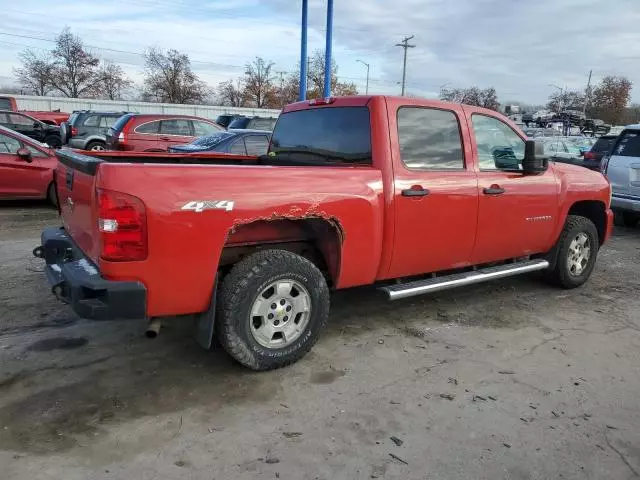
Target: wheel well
317, 239
594, 211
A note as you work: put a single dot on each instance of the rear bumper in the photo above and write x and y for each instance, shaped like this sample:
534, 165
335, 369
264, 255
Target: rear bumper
629, 203
77, 281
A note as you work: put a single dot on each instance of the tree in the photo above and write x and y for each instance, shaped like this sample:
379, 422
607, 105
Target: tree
258, 83
35, 73
609, 99
75, 71
559, 101
169, 78
486, 98
231, 94
113, 81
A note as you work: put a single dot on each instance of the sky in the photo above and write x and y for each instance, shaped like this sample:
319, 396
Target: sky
520, 47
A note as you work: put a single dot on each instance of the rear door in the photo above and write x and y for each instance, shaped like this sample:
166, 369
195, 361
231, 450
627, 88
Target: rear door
144, 137
436, 190
21, 179
174, 131
256, 144
623, 170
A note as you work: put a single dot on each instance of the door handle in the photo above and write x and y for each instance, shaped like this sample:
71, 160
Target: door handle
164, 139
493, 190
418, 191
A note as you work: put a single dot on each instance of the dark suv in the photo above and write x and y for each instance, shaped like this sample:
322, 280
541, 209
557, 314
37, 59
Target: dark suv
87, 130
252, 123
31, 127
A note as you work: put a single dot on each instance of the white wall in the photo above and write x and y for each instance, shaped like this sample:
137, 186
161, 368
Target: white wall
47, 104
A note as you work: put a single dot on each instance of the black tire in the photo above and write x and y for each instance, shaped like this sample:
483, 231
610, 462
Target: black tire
53, 141
51, 195
240, 289
96, 144
561, 274
630, 219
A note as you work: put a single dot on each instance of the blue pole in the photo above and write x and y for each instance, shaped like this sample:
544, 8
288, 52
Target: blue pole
303, 53
327, 50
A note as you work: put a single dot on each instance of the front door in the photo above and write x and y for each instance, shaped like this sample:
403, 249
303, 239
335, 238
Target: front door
19, 178
436, 191
517, 213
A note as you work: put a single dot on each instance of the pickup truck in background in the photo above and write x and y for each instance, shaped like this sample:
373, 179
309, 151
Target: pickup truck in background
50, 118
411, 195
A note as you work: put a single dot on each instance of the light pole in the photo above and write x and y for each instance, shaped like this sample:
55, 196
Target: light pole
366, 65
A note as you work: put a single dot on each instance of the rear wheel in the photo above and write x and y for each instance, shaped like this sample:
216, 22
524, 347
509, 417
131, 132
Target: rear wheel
96, 146
577, 252
51, 195
272, 306
630, 219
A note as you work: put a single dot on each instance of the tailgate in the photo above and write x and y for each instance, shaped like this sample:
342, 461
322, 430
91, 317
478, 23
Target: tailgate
75, 182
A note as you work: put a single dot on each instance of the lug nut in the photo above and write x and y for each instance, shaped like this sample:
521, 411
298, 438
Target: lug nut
270, 316
273, 306
276, 322
288, 308
282, 302
285, 318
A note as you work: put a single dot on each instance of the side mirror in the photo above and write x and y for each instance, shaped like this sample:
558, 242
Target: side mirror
534, 160
24, 154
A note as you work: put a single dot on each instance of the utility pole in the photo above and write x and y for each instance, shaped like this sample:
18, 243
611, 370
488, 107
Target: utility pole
327, 50
405, 44
303, 52
366, 65
587, 92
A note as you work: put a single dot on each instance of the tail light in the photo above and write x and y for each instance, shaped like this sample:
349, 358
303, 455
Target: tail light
589, 156
74, 131
122, 222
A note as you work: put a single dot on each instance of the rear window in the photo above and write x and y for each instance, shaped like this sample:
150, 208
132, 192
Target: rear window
332, 135
628, 145
122, 121
603, 145
239, 123
5, 104
211, 140
72, 118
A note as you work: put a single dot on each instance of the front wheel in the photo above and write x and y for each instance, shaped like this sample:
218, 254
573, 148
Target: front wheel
272, 307
577, 252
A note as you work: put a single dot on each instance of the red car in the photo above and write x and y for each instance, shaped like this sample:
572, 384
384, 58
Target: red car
156, 133
26, 167
412, 195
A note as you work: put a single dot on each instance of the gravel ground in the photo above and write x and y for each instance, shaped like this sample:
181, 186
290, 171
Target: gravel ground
512, 379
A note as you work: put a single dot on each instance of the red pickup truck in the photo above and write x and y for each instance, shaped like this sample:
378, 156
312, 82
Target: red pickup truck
412, 195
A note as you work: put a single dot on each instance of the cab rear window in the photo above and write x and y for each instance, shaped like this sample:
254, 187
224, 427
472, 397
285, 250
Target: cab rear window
628, 145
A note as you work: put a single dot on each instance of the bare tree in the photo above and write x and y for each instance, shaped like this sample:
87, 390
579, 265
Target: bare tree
478, 97
258, 83
35, 73
113, 81
75, 71
169, 78
559, 101
231, 94
610, 97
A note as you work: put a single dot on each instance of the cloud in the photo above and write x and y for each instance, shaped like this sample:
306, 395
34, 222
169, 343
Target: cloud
517, 47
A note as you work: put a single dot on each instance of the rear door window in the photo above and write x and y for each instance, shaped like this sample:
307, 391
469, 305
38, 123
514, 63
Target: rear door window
238, 147
256, 144
628, 145
108, 121
92, 121
149, 127
176, 126
329, 135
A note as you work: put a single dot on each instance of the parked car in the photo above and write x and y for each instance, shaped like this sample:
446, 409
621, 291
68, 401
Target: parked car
253, 123
55, 117
156, 133
238, 142
601, 146
226, 119
26, 167
31, 127
621, 165
353, 191
560, 149
87, 129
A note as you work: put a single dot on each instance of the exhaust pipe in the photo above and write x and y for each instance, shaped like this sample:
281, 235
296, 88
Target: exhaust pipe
153, 328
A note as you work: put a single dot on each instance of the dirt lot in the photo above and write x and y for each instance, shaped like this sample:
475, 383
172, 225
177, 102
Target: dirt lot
512, 379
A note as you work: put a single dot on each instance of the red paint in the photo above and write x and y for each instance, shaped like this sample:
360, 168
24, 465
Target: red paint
131, 138
20, 179
53, 118
378, 233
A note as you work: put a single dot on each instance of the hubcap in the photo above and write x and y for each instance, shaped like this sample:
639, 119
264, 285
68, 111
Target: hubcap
280, 313
579, 254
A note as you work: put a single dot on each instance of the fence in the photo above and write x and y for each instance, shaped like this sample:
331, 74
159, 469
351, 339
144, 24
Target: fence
48, 104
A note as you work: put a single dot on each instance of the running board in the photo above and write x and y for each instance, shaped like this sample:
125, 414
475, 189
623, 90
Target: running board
419, 287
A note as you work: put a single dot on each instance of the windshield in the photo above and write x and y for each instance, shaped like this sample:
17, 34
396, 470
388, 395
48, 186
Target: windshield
212, 140
335, 134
